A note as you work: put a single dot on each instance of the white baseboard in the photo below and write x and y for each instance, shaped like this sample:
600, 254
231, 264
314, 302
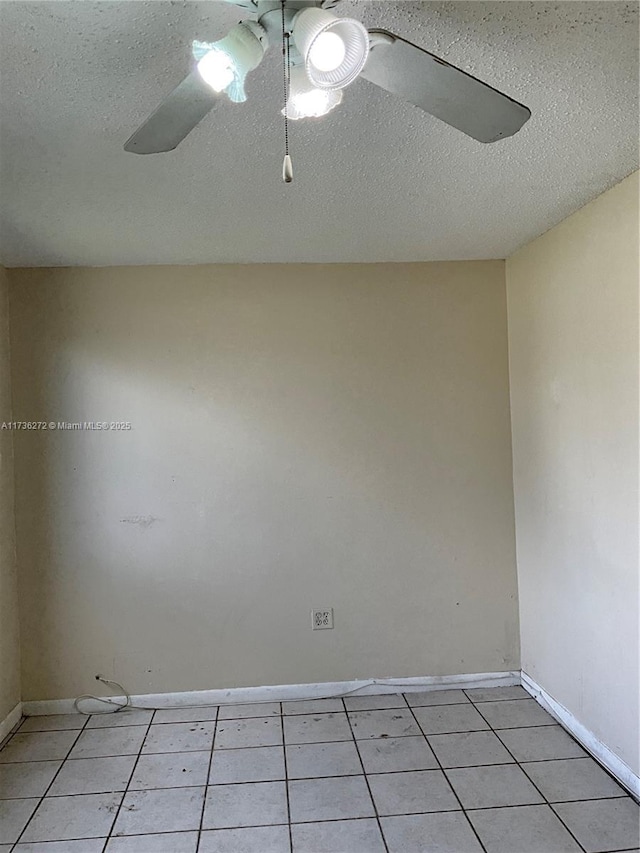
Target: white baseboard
615, 765
284, 692
11, 720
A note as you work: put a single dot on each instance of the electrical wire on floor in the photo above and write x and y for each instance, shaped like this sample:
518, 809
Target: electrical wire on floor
115, 705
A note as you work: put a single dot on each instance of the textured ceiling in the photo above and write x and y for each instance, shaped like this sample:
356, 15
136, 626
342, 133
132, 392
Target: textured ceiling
377, 180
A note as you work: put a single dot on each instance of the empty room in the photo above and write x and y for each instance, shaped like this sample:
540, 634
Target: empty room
319, 426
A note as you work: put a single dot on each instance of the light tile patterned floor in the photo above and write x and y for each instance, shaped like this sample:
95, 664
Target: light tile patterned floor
450, 771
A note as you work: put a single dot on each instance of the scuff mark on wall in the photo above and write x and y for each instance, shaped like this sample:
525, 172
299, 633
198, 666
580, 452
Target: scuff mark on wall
144, 521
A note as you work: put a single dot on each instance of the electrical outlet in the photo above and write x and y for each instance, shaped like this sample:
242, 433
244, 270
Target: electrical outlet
321, 619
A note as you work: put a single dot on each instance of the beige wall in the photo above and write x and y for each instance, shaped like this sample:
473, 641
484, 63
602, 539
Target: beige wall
9, 633
302, 436
573, 343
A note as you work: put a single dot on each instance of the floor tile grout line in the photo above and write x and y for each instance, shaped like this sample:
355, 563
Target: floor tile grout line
333, 820
370, 817
306, 822
263, 746
55, 776
303, 743
328, 776
455, 793
286, 778
367, 710
137, 835
131, 775
106, 839
43, 731
624, 850
366, 780
538, 726
534, 805
548, 804
206, 781
466, 691
342, 819
316, 778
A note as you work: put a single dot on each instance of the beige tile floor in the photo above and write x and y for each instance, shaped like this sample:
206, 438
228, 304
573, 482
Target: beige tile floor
451, 771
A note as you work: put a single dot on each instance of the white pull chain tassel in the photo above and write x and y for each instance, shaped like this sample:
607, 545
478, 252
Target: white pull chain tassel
287, 170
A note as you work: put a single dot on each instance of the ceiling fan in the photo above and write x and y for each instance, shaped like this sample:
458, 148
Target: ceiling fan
327, 53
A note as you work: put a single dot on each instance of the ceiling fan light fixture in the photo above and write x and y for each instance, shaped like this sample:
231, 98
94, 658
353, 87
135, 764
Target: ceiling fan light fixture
334, 49
306, 100
224, 64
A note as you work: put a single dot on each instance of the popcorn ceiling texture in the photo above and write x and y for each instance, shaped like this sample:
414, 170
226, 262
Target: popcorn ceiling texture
377, 180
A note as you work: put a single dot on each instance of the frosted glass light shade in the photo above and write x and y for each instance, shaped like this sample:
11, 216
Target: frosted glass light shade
306, 100
224, 64
328, 65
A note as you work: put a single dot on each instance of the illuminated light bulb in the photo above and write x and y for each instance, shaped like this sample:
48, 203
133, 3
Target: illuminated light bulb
327, 52
305, 100
216, 69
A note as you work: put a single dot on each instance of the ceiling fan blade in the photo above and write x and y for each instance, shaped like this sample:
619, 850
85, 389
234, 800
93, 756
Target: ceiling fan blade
176, 117
444, 91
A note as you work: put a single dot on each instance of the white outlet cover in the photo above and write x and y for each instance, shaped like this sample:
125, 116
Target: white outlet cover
322, 619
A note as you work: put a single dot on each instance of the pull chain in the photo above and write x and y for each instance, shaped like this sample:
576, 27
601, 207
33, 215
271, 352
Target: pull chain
287, 167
